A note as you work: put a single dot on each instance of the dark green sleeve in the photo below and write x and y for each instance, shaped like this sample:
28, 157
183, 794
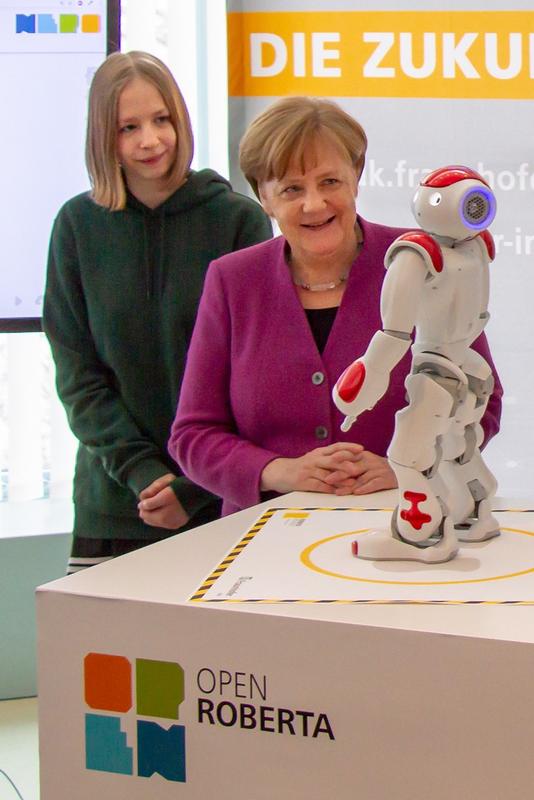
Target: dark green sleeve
192, 497
95, 410
254, 225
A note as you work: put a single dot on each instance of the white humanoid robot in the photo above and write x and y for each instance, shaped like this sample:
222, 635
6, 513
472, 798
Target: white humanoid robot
437, 282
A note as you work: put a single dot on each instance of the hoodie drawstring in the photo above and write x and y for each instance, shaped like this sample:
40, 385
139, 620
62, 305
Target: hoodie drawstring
153, 251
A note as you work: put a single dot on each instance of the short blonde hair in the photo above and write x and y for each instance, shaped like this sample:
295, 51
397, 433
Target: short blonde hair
282, 133
102, 125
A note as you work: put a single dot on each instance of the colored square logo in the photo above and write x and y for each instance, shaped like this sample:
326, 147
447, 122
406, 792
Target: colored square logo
159, 692
57, 23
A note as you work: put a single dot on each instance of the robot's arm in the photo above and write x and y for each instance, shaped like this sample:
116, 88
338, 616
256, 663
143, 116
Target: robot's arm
364, 382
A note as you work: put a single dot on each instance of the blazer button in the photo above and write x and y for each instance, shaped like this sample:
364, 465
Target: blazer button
321, 432
317, 378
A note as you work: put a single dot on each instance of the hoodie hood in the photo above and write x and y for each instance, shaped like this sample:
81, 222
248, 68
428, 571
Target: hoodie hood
199, 188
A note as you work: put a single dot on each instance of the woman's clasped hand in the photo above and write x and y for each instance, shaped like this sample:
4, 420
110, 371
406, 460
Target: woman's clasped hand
341, 468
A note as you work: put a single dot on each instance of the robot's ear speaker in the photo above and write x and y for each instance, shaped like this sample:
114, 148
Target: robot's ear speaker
478, 208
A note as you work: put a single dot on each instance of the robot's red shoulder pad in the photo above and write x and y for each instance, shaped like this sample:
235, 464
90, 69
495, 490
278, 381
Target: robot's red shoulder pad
426, 246
487, 238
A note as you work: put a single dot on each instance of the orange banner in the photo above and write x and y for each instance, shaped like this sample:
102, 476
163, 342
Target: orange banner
454, 54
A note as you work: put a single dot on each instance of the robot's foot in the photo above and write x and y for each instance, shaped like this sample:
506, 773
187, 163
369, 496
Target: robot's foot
478, 529
383, 546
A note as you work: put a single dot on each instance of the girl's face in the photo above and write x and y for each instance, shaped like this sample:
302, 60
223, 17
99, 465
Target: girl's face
146, 138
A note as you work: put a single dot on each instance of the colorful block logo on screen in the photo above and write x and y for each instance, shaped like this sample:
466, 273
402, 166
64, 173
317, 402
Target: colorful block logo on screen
159, 692
57, 23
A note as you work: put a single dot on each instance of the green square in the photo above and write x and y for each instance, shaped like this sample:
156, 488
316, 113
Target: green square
68, 23
159, 688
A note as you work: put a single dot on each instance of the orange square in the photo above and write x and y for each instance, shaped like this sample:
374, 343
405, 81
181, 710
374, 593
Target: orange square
90, 23
108, 682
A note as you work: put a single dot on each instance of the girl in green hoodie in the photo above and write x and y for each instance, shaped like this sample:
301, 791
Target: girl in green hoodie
125, 272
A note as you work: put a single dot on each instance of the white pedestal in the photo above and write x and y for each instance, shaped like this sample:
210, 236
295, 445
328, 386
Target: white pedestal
279, 700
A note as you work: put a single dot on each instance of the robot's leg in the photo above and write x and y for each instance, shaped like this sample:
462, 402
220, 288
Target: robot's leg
469, 484
421, 529
473, 477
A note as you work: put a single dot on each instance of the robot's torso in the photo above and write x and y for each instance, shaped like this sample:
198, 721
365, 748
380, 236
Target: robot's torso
452, 307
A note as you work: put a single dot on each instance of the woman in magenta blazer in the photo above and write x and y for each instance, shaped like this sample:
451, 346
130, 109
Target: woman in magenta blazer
279, 322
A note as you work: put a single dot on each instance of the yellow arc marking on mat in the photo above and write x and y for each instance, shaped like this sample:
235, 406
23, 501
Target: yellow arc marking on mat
305, 558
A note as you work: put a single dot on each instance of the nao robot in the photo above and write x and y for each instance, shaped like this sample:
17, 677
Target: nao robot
437, 282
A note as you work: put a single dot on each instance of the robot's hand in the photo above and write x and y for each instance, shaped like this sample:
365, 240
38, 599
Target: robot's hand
362, 384
358, 389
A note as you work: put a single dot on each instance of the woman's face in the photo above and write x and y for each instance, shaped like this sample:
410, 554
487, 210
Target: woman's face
315, 209
146, 139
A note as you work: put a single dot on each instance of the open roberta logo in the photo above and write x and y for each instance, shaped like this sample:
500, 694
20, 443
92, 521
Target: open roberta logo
57, 23
159, 692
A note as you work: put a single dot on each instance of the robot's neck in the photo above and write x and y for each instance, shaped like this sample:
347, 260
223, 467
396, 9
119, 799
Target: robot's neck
447, 241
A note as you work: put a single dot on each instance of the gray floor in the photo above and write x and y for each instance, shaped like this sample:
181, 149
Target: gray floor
19, 754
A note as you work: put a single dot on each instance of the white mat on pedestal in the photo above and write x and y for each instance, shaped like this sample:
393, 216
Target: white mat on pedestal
304, 555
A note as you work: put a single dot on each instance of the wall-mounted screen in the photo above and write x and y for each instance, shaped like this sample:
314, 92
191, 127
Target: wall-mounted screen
48, 54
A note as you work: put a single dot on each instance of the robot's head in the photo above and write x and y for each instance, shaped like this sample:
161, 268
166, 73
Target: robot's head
455, 202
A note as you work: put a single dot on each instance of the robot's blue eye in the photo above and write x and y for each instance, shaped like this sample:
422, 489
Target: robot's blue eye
435, 199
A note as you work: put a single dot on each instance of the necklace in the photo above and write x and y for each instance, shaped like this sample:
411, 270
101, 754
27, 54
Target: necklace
329, 285
321, 287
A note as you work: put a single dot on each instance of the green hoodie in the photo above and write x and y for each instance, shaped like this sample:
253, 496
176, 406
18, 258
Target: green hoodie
120, 303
